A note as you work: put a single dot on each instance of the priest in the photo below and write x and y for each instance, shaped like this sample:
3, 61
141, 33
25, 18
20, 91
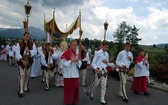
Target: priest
71, 63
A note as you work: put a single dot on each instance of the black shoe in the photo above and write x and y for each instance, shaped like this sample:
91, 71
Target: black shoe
120, 96
147, 94
47, 89
152, 84
20, 94
27, 91
74, 103
103, 103
32, 77
135, 92
117, 79
91, 97
84, 85
125, 99
42, 81
107, 86
88, 93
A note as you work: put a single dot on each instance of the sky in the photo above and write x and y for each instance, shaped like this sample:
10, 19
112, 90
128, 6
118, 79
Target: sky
149, 16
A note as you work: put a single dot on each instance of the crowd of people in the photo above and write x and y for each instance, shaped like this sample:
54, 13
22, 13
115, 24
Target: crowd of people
62, 63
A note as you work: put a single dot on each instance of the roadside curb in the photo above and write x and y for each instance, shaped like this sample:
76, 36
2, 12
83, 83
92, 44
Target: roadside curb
154, 87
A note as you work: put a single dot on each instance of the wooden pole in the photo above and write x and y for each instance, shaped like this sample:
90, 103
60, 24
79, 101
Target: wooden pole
80, 31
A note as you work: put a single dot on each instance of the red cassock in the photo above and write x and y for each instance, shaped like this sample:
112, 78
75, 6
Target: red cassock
71, 90
139, 84
71, 85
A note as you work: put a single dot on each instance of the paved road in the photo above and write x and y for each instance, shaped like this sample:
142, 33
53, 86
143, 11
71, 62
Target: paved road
38, 96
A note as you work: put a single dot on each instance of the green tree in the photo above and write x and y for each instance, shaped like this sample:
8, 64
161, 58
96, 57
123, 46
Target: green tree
128, 33
132, 36
154, 46
111, 44
121, 32
2, 41
96, 43
86, 42
166, 46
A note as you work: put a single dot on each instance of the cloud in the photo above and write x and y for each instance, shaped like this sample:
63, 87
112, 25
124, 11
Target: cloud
155, 37
156, 4
158, 19
10, 15
132, 0
61, 3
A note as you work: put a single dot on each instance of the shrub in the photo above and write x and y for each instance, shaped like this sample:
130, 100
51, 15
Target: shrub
131, 72
160, 72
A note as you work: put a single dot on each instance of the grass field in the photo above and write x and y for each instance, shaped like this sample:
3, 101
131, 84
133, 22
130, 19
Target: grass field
155, 54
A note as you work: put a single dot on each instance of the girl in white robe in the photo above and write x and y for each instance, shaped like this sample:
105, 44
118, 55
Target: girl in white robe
36, 66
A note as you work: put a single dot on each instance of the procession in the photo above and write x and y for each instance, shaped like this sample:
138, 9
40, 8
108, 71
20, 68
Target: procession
73, 68
63, 64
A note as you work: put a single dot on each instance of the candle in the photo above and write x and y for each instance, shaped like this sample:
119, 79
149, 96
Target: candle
77, 52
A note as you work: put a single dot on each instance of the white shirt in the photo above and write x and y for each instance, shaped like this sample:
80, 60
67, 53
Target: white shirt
122, 58
56, 49
14, 48
50, 60
11, 53
7, 49
19, 56
86, 58
59, 60
98, 57
2, 46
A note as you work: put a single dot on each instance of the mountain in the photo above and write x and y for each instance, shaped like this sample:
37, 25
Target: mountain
35, 33
162, 44
2, 29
